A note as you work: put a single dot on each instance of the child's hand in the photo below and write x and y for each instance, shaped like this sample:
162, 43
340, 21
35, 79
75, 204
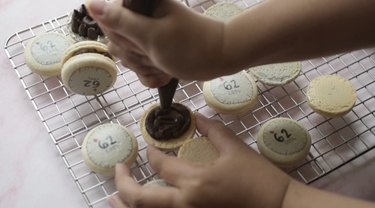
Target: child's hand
175, 42
238, 178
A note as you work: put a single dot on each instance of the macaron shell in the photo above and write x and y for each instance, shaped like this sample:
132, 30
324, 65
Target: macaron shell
283, 141
331, 95
198, 150
44, 53
277, 74
167, 144
223, 11
88, 60
234, 94
108, 144
70, 51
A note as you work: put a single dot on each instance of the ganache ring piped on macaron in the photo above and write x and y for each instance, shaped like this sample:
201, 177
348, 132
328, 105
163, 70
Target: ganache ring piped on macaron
84, 27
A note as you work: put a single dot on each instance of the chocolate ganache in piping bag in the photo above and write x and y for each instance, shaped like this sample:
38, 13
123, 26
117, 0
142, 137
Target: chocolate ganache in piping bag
169, 120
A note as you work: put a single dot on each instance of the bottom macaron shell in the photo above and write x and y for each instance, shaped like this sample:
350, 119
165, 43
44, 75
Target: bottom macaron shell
277, 74
157, 183
166, 144
199, 150
223, 11
331, 95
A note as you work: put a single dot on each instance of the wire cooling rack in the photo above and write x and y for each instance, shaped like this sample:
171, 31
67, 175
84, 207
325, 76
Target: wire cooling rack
68, 117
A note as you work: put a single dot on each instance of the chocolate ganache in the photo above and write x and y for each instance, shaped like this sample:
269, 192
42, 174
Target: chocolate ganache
166, 125
91, 50
84, 25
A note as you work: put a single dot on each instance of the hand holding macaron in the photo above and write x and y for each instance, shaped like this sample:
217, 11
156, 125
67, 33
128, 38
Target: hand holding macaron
238, 178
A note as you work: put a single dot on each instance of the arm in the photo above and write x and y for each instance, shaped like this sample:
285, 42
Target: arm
286, 30
301, 196
239, 178
182, 43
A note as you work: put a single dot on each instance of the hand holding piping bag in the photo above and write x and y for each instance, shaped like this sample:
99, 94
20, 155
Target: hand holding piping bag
179, 42
169, 44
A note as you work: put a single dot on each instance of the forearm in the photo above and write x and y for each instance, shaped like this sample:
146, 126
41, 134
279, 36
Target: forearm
286, 30
301, 196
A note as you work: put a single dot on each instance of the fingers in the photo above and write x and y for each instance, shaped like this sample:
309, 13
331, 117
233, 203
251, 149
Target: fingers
119, 19
148, 75
220, 136
115, 202
134, 195
125, 183
122, 42
130, 57
171, 169
154, 81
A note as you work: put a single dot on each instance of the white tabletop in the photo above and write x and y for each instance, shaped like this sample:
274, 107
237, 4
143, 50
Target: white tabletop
33, 173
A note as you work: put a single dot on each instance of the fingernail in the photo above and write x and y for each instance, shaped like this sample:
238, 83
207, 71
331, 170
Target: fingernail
113, 201
97, 7
199, 116
119, 166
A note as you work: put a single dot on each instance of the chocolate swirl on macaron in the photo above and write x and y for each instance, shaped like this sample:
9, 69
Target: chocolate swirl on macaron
166, 125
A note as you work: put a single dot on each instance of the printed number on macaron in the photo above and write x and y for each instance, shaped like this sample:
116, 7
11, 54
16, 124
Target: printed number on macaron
283, 141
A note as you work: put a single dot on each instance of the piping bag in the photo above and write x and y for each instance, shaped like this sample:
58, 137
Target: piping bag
147, 7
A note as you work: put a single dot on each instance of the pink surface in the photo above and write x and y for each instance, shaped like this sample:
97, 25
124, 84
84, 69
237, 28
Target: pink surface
33, 173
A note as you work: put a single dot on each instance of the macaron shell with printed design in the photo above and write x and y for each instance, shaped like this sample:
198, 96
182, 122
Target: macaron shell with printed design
44, 53
86, 70
108, 144
283, 141
234, 94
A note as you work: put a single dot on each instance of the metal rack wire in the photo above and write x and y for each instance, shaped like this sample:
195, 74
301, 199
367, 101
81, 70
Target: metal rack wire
68, 117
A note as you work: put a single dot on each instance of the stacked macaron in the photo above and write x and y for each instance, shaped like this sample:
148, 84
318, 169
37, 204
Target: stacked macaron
86, 67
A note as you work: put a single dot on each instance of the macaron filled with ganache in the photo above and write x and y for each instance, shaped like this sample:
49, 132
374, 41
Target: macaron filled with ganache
88, 68
167, 129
